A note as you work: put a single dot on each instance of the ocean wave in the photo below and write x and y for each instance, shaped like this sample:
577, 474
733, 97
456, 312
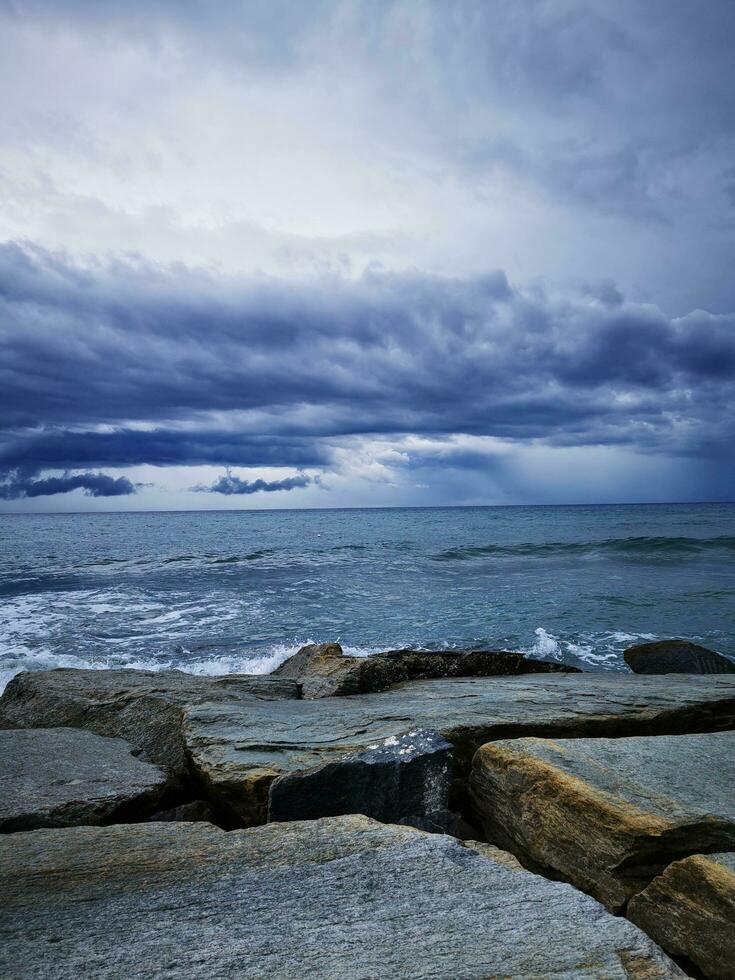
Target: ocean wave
263, 661
590, 652
641, 548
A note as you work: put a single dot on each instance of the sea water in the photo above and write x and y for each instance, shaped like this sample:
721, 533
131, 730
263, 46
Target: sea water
219, 592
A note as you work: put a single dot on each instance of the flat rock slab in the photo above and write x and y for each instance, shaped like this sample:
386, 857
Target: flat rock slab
238, 749
607, 814
676, 657
335, 898
61, 777
690, 909
322, 669
142, 706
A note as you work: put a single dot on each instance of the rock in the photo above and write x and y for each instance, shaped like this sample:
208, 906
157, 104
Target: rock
397, 779
607, 814
676, 657
238, 748
142, 706
323, 670
338, 898
194, 811
60, 777
690, 909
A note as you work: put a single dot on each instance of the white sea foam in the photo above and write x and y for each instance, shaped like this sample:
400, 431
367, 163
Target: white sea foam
598, 651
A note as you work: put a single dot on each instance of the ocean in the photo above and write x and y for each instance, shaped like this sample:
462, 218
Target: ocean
239, 591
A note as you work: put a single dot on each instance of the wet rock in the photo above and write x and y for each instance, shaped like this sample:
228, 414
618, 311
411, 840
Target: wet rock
690, 909
238, 748
61, 777
197, 810
607, 814
144, 707
335, 898
676, 657
323, 670
398, 779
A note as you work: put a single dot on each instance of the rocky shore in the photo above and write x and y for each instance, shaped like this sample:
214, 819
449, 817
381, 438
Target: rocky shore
469, 815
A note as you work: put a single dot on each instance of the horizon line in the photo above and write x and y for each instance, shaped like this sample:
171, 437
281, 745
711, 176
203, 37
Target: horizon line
280, 510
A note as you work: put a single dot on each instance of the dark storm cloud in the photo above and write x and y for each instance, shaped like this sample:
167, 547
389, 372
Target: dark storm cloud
62, 449
230, 485
264, 372
18, 485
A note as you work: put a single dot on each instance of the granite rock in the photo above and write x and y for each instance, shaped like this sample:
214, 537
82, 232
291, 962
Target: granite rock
61, 777
690, 909
676, 657
144, 707
238, 748
334, 898
607, 814
323, 670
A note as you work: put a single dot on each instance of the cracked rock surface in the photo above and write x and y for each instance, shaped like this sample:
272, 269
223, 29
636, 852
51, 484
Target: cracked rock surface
333, 898
239, 748
607, 814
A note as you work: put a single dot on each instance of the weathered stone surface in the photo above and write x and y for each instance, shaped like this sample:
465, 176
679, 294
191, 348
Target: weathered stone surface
142, 706
690, 909
323, 670
61, 777
237, 749
335, 898
676, 657
398, 779
607, 814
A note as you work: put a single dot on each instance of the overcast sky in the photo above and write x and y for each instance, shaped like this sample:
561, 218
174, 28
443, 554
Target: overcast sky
276, 253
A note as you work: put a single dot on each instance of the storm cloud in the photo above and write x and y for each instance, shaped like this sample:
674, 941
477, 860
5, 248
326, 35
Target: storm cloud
132, 363
230, 485
18, 485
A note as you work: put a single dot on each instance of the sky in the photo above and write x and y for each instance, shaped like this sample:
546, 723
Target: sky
271, 253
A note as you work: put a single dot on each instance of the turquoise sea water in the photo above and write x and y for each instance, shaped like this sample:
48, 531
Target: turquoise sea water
239, 591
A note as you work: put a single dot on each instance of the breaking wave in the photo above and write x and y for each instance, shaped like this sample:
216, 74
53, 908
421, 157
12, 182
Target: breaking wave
641, 548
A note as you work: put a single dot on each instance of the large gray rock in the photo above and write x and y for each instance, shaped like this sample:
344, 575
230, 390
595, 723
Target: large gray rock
142, 706
607, 814
399, 779
61, 777
239, 748
323, 670
690, 909
676, 657
336, 898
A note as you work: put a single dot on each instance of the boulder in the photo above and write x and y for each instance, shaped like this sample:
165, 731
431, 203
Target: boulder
238, 748
690, 909
607, 814
142, 706
334, 898
676, 657
400, 779
61, 777
323, 670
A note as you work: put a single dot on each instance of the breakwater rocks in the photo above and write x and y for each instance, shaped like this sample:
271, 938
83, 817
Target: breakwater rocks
576, 796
